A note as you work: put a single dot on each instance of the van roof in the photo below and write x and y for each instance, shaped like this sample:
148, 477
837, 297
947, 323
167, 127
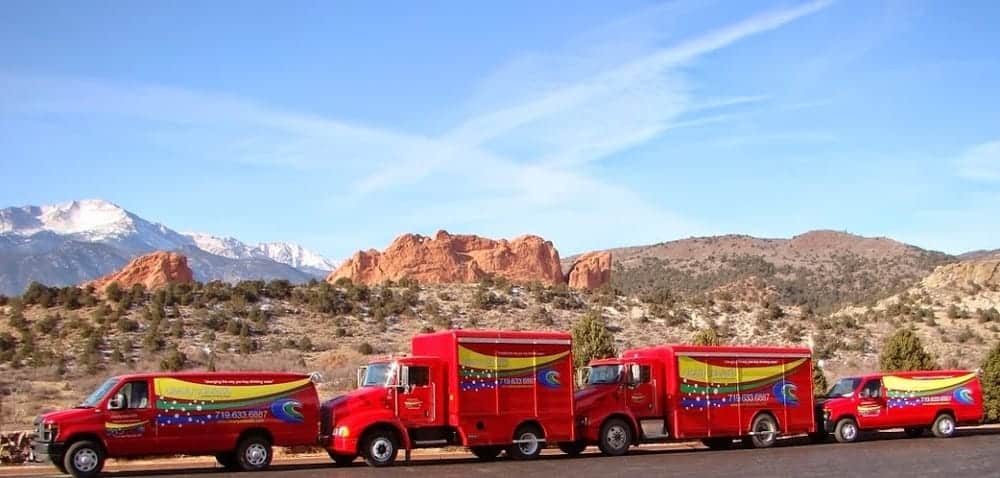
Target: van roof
909, 374
722, 350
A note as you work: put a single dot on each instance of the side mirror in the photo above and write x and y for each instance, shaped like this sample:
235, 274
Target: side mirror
582, 375
361, 375
116, 403
404, 378
634, 375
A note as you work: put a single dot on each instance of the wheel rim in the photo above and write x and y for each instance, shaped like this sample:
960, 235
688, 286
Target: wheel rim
765, 431
849, 431
85, 460
256, 454
528, 443
947, 427
617, 437
381, 449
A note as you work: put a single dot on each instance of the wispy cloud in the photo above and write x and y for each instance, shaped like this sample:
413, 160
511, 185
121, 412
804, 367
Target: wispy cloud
981, 162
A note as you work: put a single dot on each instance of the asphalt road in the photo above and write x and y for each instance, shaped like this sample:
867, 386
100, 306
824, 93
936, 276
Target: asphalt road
884, 455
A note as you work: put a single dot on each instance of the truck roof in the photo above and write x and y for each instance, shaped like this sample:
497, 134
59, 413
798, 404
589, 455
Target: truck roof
909, 374
190, 374
502, 334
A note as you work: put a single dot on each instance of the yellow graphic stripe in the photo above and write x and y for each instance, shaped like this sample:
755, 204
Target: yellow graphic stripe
472, 359
175, 389
924, 385
692, 369
120, 426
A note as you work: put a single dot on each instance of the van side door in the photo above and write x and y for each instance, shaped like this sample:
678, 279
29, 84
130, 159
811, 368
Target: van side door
130, 420
872, 405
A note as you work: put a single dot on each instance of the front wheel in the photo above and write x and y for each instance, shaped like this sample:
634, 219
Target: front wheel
380, 448
846, 431
253, 453
341, 460
527, 444
486, 453
615, 437
84, 459
764, 432
573, 448
944, 426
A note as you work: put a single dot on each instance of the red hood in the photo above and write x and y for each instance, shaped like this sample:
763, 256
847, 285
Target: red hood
357, 400
590, 395
69, 416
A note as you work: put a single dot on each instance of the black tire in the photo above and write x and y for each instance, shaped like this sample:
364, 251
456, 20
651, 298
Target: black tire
528, 443
84, 459
717, 443
944, 426
615, 437
380, 447
765, 432
253, 453
226, 460
573, 448
341, 460
486, 453
914, 432
847, 431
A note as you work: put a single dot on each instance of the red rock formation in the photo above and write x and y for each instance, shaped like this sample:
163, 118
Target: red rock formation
153, 270
454, 258
590, 270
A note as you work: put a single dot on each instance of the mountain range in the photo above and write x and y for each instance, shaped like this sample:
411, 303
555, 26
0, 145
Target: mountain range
78, 241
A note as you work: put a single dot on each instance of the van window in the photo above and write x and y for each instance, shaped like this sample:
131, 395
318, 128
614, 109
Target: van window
872, 389
136, 394
420, 376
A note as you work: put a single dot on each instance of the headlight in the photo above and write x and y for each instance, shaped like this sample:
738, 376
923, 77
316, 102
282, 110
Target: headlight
342, 432
583, 421
826, 414
49, 431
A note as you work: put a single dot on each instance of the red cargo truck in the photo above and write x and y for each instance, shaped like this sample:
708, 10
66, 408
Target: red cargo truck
915, 401
486, 390
236, 416
683, 392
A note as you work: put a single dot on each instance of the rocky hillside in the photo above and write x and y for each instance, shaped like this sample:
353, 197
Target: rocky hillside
819, 269
151, 271
448, 258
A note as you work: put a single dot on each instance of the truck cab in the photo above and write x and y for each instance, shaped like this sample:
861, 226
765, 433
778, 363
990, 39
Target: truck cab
398, 404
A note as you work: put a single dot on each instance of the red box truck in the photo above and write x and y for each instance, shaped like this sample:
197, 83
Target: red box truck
236, 416
915, 401
486, 390
683, 392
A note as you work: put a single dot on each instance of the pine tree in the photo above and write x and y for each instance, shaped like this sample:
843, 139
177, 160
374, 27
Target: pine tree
905, 351
991, 384
591, 340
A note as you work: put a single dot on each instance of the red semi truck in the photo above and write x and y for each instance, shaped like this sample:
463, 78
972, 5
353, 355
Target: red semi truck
486, 390
914, 401
684, 392
236, 416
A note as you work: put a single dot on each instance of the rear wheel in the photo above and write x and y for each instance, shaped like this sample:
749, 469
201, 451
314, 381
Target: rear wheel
914, 432
341, 459
846, 431
764, 431
528, 441
380, 447
572, 448
486, 453
615, 437
716, 443
944, 426
253, 453
84, 459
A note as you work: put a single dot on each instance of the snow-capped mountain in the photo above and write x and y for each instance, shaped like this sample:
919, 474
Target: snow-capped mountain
77, 241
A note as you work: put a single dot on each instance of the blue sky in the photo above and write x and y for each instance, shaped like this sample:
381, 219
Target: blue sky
340, 125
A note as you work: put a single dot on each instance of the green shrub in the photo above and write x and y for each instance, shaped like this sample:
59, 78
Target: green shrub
591, 339
904, 351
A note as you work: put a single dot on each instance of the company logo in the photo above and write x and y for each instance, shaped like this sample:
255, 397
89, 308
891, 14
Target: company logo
549, 378
638, 397
413, 403
785, 392
964, 396
287, 411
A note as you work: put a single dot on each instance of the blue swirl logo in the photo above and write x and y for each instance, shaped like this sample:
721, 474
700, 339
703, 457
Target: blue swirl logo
785, 393
549, 378
288, 411
964, 396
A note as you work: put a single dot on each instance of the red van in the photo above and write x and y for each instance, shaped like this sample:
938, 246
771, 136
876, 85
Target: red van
238, 417
486, 390
683, 392
915, 401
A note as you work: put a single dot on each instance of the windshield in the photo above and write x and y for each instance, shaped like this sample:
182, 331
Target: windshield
604, 374
95, 398
379, 375
844, 387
